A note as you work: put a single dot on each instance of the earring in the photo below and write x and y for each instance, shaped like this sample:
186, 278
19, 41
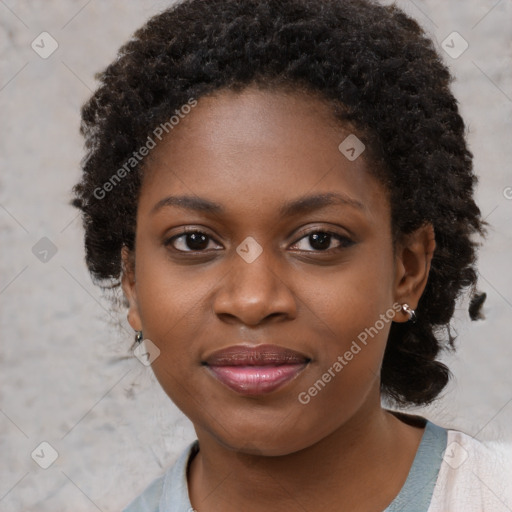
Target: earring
138, 337
412, 314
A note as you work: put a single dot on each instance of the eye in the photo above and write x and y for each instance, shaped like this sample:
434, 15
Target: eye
192, 239
321, 241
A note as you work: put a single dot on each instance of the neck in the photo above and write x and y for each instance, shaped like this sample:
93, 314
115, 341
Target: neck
362, 465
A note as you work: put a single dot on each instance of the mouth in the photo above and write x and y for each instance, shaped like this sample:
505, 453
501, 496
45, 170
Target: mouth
255, 370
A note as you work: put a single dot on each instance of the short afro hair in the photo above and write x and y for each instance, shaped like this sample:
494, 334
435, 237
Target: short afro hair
380, 73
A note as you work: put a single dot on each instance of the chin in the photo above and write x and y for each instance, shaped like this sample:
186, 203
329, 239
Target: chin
266, 442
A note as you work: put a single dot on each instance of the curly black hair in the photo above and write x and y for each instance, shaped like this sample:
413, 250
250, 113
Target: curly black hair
378, 71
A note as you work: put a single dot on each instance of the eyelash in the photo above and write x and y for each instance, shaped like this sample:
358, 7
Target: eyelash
345, 242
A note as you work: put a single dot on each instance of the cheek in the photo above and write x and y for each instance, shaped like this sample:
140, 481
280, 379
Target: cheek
176, 315
172, 302
345, 376
351, 315
169, 296
350, 298
351, 348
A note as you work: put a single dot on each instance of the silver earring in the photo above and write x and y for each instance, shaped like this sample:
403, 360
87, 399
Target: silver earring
138, 337
412, 314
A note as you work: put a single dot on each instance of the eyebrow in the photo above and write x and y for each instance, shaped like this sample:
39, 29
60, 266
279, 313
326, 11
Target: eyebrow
302, 205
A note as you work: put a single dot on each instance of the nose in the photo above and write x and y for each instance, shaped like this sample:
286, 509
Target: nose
253, 293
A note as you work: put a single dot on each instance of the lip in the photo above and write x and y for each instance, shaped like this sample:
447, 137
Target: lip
255, 370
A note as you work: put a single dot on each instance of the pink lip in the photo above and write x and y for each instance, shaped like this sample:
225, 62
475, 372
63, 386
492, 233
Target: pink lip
255, 370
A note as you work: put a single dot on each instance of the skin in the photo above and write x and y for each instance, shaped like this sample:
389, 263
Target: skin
250, 152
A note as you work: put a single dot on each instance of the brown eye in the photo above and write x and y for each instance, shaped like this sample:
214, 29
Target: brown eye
190, 241
321, 241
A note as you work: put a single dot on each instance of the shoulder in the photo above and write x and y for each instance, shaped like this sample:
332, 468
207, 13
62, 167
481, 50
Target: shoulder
149, 500
474, 475
171, 486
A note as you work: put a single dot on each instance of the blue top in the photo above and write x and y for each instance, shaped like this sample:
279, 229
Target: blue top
169, 493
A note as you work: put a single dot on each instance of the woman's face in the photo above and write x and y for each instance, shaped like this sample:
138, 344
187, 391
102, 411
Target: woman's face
261, 270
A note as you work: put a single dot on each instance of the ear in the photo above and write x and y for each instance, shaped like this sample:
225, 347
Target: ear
128, 285
414, 254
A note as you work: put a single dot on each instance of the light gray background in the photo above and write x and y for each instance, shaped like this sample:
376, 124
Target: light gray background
66, 377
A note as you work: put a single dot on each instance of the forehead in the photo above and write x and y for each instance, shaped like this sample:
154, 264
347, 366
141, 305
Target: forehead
255, 150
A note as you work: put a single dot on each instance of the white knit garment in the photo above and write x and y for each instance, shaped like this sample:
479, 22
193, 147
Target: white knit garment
474, 476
